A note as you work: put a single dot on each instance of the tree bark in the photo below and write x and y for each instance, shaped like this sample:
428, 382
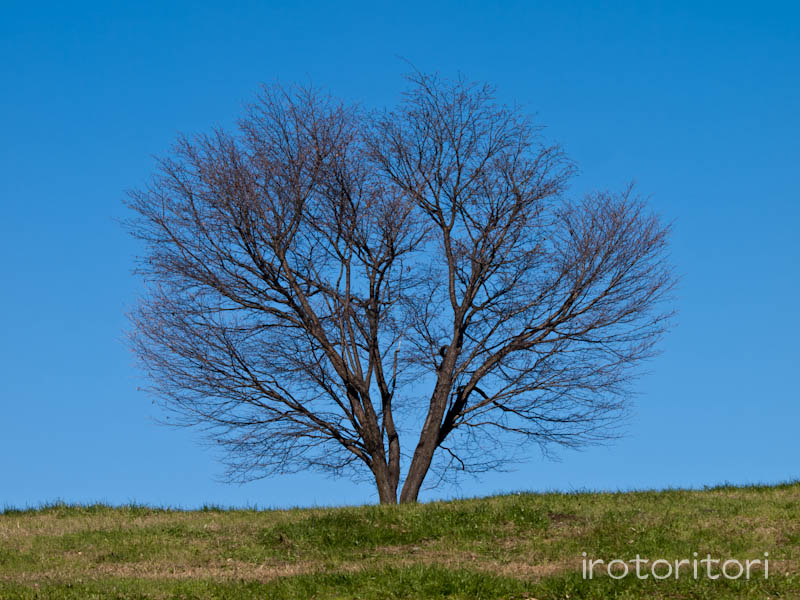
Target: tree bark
386, 483
428, 442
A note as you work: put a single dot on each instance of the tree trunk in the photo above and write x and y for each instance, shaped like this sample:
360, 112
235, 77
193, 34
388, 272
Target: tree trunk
417, 471
423, 455
386, 484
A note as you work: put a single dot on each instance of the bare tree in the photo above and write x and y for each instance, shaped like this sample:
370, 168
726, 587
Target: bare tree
324, 280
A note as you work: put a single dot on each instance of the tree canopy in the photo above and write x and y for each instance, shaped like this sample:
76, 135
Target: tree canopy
391, 293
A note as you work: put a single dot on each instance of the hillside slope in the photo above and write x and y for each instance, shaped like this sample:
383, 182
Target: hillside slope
513, 546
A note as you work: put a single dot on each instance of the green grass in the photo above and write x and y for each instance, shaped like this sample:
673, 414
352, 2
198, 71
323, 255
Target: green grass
514, 546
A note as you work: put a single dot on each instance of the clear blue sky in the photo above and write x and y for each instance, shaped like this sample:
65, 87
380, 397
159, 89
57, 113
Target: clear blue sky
698, 102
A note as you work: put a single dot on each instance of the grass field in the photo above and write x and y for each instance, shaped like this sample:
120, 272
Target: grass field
515, 546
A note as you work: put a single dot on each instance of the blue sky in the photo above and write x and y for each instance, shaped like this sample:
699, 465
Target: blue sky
696, 102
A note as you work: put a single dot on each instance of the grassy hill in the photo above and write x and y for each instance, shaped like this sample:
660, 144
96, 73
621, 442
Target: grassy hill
514, 546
